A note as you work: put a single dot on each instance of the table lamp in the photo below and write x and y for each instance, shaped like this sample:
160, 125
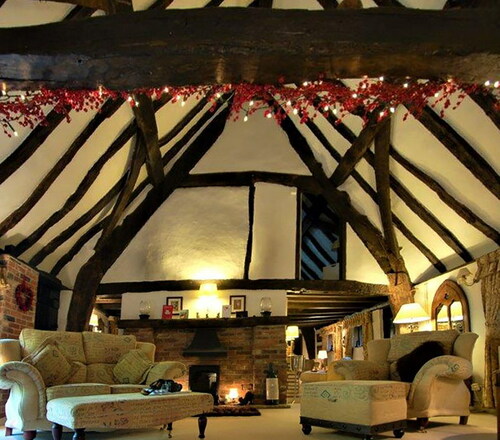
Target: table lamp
411, 314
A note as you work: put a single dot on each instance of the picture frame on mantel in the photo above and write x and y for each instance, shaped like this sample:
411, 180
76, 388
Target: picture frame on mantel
238, 303
175, 302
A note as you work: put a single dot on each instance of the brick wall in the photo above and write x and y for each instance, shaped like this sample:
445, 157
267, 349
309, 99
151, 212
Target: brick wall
249, 352
13, 320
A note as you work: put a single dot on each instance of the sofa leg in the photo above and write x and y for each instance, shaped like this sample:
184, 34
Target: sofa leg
464, 420
169, 429
8, 431
29, 435
79, 434
202, 424
423, 422
57, 431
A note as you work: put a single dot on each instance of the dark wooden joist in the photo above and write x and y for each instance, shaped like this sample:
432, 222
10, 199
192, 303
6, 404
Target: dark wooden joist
91, 273
471, 4
427, 216
30, 145
382, 179
328, 4
79, 13
460, 208
261, 4
337, 287
148, 131
320, 249
388, 3
156, 47
488, 103
161, 4
213, 3
356, 151
81, 190
251, 214
65, 235
349, 135
107, 110
124, 198
109, 6
367, 232
462, 150
309, 251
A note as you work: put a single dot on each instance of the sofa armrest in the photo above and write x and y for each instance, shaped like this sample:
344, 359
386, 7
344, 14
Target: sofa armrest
450, 368
357, 370
166, 370
27, 389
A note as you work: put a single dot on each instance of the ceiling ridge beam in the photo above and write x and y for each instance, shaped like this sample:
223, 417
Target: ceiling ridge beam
460, 208
157, 45
106, 111
461, 149
348, 134
92, 272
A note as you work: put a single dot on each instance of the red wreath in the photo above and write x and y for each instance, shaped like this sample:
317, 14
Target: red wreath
24, 297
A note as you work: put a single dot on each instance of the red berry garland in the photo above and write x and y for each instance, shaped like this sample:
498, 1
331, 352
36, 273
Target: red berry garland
24, 297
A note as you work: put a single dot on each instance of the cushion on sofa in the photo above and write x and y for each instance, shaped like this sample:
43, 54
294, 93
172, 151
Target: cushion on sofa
70, 343
100, 373
406, 343
79, 373
132, 367
166, 370
409, 365
49, 360
84, 389
106, 348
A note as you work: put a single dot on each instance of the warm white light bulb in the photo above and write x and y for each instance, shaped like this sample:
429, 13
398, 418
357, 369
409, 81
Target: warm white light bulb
487, 83
16, 134
129, 99
218, 95
245, 119
354, 95
405, 85
392, 109
250, 103
289, 102
326, 108
305, 83
295, 111
436, 95
165, 89
381, 78
382, 114
269, 115
334, 111
496, 84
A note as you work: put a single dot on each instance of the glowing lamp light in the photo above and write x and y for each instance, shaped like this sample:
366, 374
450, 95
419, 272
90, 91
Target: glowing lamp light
94, 320
411, 314
322, 354
292, 332
207, 288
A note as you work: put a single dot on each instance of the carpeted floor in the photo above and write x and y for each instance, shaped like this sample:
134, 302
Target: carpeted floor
233, 410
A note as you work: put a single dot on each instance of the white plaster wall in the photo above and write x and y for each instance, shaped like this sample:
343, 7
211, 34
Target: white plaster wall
259, 144
275, 218
194, 301
360, 264
197, 233
424, 294
64, 301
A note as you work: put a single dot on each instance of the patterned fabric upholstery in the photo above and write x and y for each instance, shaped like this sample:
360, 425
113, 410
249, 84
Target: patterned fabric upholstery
70, 343
125, 388
363, 402
406, 343
357, 370
84, 389
100, 373
104, 348
166, 370
79, 373
132, 367
126, 411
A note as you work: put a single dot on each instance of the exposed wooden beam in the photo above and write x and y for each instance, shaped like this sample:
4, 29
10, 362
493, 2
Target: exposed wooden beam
261, 4
356, 151
92, 272
368, 233
461, 209
79, 13
148, 131
462, 150
57, 241
30, 145
161, 4
131, 177
213, 3
388, 3
471, 4
488, 103
338, 287
328, 4
156, 47
106, 111
251, 213
382, 178
81, 190
109, 6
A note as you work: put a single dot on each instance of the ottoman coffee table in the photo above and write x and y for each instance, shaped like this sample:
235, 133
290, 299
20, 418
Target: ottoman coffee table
126, 411
364, 407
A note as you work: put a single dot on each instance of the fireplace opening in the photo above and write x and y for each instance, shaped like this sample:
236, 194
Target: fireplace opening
205, 379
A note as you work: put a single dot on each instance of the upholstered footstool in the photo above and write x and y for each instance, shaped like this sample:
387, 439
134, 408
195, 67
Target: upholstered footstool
365, 407
126, 411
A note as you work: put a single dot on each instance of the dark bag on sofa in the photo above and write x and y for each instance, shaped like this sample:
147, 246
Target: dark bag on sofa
162, 386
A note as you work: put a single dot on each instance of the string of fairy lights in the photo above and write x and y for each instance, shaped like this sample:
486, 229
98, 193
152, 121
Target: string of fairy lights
307, 100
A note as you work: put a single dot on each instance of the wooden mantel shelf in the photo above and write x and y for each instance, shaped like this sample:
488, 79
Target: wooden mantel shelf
203, 323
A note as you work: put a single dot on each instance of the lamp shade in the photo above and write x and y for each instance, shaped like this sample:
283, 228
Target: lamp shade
94, 320
409, 313
292, 332
322, 354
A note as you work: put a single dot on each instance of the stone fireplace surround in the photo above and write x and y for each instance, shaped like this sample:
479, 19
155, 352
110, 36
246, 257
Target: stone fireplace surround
249, 352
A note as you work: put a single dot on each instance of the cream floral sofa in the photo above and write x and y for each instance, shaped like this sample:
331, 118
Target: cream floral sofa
45, 365
438, 388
